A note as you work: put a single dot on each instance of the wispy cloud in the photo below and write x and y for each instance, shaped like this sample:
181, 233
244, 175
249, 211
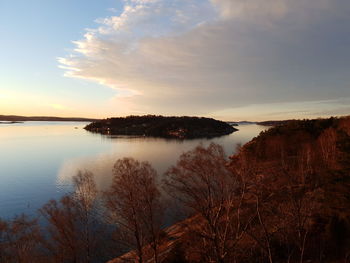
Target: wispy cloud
214, 55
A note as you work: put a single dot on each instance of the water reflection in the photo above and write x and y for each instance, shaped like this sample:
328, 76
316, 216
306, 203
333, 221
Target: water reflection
38, 159
161, 153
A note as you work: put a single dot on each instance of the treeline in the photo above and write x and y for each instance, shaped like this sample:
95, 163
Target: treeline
284, 197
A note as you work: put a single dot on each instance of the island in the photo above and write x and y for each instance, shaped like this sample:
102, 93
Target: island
160, 126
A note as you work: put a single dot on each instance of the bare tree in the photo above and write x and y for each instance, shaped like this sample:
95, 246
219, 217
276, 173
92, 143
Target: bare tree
3, 229
21, 241
64, 234
133, 202
302, 197
328, 146
285, 203
202, 181
72, 224
85, 195
299, 211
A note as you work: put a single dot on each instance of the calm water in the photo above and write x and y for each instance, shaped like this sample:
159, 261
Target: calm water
38, 159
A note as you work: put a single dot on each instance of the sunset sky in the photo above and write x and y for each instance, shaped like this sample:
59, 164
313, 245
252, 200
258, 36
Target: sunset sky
228, 59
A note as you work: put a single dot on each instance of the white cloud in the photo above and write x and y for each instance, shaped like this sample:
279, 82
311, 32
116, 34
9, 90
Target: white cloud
212, 55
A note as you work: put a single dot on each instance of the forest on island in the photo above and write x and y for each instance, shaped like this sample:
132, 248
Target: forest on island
283, 197
160, 126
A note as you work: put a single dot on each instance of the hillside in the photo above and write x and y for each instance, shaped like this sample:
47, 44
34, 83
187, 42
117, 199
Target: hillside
291, 199
159, 126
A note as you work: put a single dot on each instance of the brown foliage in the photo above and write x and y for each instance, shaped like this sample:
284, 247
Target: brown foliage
299, 186
21, 241
134, 205
202, 181
75, 234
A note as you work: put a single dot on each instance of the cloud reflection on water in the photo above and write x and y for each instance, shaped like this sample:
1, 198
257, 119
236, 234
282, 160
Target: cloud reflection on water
161, 153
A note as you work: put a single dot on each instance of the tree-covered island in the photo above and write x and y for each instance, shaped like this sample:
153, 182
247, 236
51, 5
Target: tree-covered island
160, 126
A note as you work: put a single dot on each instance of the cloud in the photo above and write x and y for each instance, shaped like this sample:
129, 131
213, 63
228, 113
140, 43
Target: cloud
215, 55
258, 10
287, 110
243, 9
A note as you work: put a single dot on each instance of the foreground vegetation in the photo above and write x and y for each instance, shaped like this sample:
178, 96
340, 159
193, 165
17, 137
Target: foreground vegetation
160, 126
284, 197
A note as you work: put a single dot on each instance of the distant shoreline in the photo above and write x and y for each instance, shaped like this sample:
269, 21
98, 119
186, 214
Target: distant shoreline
10, 122
10, 119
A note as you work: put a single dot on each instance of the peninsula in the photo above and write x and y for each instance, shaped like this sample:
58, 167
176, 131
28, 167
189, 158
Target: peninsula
160, 126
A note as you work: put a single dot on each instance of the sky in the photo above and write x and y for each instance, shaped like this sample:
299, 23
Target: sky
227, 59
